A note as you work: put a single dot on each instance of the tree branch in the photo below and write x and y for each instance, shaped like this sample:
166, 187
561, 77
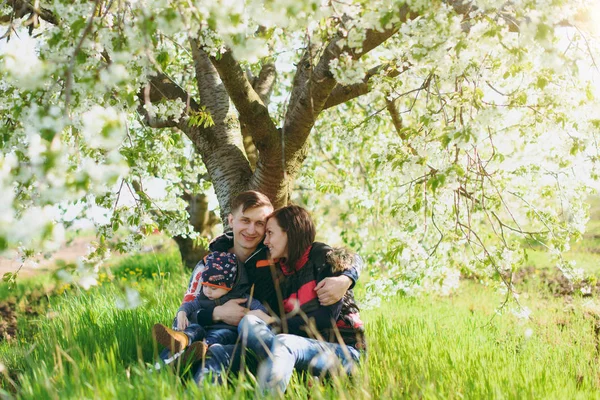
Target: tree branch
23, 7
69, 74
220, 145
312, 97
161, 87
252, 111
265, 81
396, 118
263, 86
279, 163
341, 94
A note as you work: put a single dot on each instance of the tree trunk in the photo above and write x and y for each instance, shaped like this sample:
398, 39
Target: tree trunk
222, 152
244, 149
204, 221
191, 252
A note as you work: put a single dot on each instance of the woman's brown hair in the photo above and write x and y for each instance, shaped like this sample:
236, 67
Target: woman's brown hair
300, 229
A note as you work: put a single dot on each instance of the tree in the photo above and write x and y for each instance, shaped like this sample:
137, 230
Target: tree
437, 106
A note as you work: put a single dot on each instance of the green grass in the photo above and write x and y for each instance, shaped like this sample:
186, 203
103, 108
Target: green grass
427, 347
452, 348
25, 286
147, 266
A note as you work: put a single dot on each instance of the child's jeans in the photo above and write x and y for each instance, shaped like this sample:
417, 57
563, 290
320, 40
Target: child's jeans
222, 336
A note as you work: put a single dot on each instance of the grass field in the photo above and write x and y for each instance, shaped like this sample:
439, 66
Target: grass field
78, 344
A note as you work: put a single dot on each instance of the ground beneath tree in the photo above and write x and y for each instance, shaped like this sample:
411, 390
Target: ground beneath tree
69, 253
558, 284
34, 303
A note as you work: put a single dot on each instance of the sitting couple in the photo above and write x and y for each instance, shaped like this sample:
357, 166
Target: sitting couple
304, 284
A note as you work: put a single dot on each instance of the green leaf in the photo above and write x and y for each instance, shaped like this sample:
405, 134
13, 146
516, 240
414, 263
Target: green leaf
543, 31
81, 57
542, 81
163, 59
520, 99
55, 39
77, 26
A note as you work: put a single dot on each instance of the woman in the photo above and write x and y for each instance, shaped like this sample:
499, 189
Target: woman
316, 339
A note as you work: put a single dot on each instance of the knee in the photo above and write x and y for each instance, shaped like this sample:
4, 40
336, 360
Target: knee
291, 343
286, 339
249, 324
215, 351
217, 358
324, 364
329, 362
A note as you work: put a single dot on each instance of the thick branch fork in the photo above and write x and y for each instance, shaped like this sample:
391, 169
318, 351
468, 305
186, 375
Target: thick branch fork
252, 110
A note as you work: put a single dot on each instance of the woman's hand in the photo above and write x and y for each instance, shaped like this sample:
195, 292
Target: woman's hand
182, 320
331, 290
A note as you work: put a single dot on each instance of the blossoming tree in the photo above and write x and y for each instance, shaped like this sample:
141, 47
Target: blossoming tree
450, 133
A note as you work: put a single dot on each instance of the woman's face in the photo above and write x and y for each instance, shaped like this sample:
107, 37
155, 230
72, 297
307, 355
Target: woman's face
276, 239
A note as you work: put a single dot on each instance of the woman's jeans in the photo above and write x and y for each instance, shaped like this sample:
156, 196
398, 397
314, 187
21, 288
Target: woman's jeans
280, 354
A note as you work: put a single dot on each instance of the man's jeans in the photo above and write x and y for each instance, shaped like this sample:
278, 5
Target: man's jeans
281, 354
225, 358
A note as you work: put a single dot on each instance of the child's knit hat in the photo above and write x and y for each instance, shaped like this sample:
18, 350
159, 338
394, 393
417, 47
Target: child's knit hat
220, 270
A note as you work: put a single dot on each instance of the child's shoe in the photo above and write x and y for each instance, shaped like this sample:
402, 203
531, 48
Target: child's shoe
195, 352
174, 340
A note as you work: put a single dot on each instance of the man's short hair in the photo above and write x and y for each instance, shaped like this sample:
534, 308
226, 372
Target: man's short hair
250, 199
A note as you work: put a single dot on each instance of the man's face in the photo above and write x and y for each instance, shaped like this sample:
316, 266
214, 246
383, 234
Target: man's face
249, 226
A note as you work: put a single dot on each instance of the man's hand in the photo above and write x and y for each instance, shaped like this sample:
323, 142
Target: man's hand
182, 321
231, 312
331, 290
262, 315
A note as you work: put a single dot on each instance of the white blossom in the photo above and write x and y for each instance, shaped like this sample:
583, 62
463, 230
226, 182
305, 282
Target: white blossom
521, 312
131, 300
103, 127
22, 62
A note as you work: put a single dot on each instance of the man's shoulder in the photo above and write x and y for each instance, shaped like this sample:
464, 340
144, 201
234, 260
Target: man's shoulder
319, 249
340, 258
222, 242
258, 258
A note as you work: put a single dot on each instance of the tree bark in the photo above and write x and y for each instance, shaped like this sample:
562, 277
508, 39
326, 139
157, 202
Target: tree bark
263, 86
203, 222
220, 146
